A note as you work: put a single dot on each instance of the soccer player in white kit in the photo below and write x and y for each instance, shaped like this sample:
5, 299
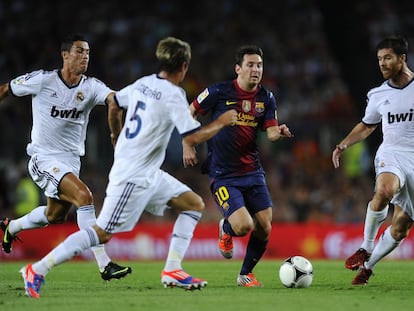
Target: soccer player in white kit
155, 105
392, 105
61, 103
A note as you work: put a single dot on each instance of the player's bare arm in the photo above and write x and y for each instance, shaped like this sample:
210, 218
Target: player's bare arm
115, 114
358, 133
193, 111
229, 118
4, 91
275, 133
189, 155
206, 132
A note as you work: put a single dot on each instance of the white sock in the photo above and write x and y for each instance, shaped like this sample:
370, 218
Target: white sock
72, 246
181, 237
373, 221
386, 245
34, 219
86, 217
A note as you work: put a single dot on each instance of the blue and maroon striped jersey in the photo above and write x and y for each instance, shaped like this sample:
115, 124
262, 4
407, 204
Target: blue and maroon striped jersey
233, 151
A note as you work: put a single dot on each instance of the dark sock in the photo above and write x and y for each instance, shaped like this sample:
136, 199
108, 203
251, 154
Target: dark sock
227, 228
255, 250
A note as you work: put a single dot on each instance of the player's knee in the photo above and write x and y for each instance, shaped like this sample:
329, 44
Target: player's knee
243, 229
84, 197
267, 228
384, 193
197, 204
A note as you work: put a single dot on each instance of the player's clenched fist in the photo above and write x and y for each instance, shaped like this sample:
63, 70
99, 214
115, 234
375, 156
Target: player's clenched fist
229, 117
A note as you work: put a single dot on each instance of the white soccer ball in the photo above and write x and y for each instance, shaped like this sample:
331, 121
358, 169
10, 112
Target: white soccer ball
296, 272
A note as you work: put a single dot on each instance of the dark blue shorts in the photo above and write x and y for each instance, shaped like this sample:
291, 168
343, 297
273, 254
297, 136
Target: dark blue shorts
233, 193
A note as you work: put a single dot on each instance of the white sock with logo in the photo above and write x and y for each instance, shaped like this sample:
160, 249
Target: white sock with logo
86, 217
386, 245
181, 238
373, 221
36, 218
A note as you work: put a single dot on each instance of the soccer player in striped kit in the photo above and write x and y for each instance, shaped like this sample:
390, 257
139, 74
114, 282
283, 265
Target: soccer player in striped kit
236, 175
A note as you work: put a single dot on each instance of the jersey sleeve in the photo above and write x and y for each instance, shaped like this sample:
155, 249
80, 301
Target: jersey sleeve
372, 115
270, 113
101, 91
27, 84
122, 97
181, 115
205, 100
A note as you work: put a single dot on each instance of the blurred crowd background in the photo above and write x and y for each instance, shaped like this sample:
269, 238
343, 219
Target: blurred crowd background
319, 60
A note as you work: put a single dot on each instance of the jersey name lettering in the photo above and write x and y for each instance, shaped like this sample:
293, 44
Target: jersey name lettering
400, 117
65, 113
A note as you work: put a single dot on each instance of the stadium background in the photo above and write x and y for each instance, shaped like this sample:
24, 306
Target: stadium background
319, 60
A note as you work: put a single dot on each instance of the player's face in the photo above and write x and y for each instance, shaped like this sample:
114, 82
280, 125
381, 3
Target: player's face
78, 57
389, 63
249, 74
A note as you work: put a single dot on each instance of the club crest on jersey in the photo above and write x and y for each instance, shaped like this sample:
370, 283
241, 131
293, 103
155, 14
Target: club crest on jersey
259, 106
80, 97
55, 170
20, 80
246, 105
225, 206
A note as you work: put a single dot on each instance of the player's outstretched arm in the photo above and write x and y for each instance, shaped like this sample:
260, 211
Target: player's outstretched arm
277, 132
114, 117
228, 118
357, 134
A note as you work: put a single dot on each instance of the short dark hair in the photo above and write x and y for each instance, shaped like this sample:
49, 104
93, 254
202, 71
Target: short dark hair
67, 42
398, 43
247, 50
172, 53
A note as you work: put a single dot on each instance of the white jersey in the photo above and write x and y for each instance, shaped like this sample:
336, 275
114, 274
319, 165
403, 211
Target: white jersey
394, 107
155, 107
60, 112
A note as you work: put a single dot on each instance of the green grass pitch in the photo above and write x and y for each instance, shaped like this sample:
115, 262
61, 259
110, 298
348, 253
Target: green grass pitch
76, 285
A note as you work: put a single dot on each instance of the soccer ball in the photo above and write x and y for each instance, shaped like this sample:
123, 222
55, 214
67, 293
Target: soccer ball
296, 272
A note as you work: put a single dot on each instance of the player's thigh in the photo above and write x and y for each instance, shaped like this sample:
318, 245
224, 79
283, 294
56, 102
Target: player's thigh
48, 171
123, 206
187, 201
75, 191
169, 192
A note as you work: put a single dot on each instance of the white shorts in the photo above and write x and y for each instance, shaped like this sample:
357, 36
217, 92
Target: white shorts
124, 203
48, 171
400, 164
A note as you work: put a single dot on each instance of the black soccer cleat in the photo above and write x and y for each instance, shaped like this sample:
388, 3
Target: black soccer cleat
115, 271
7, 240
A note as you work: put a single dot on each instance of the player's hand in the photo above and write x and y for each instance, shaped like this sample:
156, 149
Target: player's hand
189, 156
336, 154
284, 131
229, 117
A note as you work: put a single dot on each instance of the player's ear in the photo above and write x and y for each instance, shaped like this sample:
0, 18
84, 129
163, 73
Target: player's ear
237, 68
